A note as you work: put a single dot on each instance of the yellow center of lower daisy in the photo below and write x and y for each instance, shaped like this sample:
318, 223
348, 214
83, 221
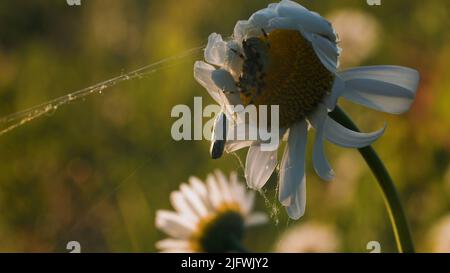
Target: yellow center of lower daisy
216, 233
281, 68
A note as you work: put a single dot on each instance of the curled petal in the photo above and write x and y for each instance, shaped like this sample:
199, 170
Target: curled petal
342, 136
336, 92
320, 161
389, 89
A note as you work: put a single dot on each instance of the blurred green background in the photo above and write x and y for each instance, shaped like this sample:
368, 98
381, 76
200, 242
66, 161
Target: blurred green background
96, 170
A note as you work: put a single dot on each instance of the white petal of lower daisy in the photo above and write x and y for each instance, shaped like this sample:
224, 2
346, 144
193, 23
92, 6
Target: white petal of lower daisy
336, 92
237, 189
390, 89
224, 186
203, 74
259, 166
297, 207
198, 186
215, 195
292, 171
194, 200
200, 189
255, 219
320, 161
216, 50
342, 136
248, 202
174, 225
182, 206
173, 244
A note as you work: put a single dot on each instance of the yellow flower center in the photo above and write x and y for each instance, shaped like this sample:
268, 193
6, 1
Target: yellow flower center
281, 68
216, 233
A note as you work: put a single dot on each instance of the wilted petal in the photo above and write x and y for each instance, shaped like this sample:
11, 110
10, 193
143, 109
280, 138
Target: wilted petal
342, 136
224, 81
216, 50
203, 74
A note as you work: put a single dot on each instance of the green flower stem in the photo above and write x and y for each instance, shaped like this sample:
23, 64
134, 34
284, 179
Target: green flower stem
394, 207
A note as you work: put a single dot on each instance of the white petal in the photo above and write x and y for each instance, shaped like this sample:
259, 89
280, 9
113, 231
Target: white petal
215, 196
173, 224
261, 18
297, 208
336, 92
292, 172
224, 81
234, 145
200, 189
216, 50
339, 135
259, 166
320, 161
224, 187
182, 206
198, 186
194, 200
255, 219
203, 74
327, 51
236, 188
388, 89
241, 28
248, 202
309, 21
172, 244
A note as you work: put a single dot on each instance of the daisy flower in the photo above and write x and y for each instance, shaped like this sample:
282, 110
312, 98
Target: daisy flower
288, 56
208, 217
